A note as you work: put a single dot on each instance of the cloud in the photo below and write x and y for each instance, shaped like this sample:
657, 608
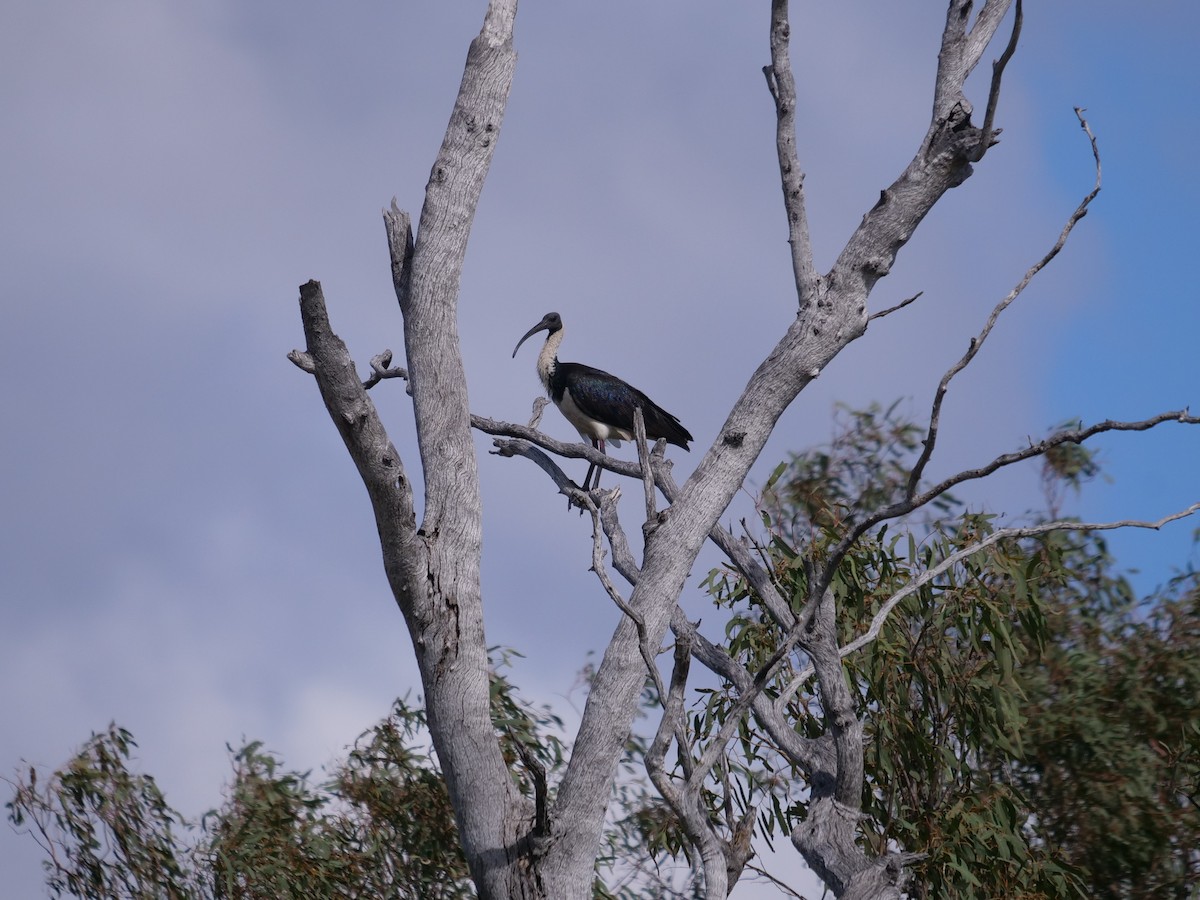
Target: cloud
186, 548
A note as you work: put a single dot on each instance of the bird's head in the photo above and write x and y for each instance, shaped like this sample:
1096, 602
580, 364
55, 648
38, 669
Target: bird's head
551, 322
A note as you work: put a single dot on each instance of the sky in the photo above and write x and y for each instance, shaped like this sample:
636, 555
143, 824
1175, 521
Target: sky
185, 547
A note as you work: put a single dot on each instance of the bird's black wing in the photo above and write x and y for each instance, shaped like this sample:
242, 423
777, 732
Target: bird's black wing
606, 398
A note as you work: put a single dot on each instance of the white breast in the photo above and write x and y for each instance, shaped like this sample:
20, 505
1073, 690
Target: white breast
588, 427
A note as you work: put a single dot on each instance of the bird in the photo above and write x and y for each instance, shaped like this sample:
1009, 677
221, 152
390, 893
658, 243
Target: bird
598, 404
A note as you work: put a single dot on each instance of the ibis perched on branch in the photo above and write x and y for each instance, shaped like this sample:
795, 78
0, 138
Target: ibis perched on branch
598, 404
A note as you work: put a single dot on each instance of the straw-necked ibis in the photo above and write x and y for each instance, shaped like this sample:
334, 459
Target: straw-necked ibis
598, 404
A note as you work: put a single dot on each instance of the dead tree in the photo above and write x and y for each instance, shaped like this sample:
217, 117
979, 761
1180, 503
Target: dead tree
517, 847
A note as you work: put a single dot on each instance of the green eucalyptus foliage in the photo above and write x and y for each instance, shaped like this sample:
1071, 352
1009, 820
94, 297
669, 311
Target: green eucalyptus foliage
381, 826
1111, 761
1031, 728
106, 832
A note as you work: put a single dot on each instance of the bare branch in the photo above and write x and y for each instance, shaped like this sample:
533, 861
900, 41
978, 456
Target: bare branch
601, 571
960, 53
807, 753
686, 803
977, 341
398, 225
892, 309
623, 560
1075, 436
742, 559
535, 417
562, 448
356, 419
380, 370
537, 771
379, 367
782, 85
854, 531
1000, 534
523, 448
639, 430
1079, 111
983, 31
303, 361
989, 136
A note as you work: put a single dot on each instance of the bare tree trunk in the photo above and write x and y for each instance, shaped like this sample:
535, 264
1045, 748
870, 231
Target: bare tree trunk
832, 313
513, 849
434, 569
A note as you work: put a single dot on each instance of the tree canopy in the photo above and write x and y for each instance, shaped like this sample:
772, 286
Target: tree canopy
1032, 730
918, 695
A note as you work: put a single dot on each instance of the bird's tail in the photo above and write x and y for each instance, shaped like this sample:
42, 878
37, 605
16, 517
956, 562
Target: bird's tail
661, 424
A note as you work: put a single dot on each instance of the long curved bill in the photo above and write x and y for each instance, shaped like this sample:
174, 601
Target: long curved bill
540, 326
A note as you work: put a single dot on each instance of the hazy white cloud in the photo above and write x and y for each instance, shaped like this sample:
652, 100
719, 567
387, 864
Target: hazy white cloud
185, 547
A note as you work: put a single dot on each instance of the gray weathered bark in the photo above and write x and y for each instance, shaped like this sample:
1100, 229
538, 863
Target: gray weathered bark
514, 850
832, 313
434, 569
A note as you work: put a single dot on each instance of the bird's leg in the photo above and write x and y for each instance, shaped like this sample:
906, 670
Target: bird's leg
600, 445
587, 479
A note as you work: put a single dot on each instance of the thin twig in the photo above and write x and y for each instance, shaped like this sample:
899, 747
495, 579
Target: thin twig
779, 885
303, 361
602, 573
687, 804
622, 556
987, 138
854, 531
1073, 436
977, 341
806, 753
380, 370
782, 85
565, 485
639, 430
1000, 534
539, 406
892, 309
537, 772
740, 556
561, 448
1079, 111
